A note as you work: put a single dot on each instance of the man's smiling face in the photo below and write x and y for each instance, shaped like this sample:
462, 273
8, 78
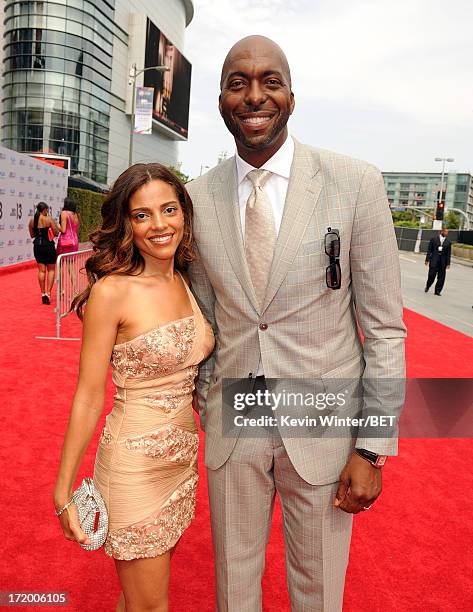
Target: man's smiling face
256, 100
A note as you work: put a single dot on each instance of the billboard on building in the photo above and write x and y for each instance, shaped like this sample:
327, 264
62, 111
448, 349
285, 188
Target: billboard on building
143, 110
171, 88
61, 161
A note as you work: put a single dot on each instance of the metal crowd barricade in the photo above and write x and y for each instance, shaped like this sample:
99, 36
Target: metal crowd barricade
70, 281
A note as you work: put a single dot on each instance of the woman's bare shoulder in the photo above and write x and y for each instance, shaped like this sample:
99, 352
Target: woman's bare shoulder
111, 287
47, 221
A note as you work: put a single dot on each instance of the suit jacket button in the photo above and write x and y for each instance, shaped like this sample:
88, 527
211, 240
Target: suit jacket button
263, 326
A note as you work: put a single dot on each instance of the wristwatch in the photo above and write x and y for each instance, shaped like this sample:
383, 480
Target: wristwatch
376, 460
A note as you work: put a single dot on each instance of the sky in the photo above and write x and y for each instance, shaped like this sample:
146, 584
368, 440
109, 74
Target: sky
387, 82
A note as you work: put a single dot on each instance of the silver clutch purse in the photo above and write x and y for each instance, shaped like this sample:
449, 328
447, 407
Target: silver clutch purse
93, 517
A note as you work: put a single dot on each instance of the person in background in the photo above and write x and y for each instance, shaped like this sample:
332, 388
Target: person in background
43, 228
69, 221
438, 260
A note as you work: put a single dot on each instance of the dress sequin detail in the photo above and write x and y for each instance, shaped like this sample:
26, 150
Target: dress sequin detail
156, 353
167, 401
105, 436
155, 536
170, 443
146, 463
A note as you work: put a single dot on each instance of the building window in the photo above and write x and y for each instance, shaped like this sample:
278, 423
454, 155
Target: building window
57, 80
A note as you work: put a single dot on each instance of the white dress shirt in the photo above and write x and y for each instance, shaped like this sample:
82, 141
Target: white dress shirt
275, 188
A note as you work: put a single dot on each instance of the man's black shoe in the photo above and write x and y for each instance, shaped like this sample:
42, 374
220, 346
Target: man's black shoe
426, 289
437, 293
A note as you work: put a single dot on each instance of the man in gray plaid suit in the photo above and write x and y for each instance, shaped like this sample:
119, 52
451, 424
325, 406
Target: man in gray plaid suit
284, 294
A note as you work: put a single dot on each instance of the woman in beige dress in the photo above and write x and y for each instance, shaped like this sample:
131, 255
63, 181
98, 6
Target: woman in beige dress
141, 317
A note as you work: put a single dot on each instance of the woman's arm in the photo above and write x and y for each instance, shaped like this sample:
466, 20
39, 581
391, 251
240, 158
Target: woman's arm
101, 321
55, 226
31, 228
63, 222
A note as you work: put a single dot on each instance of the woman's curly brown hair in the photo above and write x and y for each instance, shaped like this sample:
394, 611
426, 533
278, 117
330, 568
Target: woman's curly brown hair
114, 249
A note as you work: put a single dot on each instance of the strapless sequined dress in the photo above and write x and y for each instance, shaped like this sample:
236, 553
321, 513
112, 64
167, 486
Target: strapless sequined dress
146, 463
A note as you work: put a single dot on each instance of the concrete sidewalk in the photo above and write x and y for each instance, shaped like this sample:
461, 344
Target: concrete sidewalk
454, 307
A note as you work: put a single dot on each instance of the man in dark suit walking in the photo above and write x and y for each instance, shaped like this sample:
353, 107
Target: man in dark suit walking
438, 260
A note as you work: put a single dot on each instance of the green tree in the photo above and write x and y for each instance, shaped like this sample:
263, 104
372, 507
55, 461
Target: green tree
404, 218
180, 175
89, 204
452, 220
410, 218
406, 224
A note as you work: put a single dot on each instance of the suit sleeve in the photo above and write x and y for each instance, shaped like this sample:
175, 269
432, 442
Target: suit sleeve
429, 250
205, 296
449, 253
376, 285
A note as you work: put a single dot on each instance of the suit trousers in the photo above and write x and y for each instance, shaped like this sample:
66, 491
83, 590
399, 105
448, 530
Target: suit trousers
439, 271
316, 535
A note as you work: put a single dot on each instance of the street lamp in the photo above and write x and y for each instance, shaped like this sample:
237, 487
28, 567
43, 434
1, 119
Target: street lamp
437, 224
133, 74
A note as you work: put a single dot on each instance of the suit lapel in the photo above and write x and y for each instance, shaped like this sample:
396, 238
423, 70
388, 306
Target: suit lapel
305, 185
225, 195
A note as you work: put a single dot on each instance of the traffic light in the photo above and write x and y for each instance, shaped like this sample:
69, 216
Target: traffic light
440, 210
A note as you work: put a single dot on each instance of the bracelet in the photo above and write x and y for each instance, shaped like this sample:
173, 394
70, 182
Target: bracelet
65, 507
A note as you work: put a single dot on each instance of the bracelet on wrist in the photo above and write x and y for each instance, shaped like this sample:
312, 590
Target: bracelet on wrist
65, 507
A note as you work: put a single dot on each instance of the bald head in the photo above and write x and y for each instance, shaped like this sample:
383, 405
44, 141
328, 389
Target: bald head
256, 98
255, 46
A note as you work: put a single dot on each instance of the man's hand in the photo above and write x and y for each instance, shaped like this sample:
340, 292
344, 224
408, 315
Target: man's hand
360, 485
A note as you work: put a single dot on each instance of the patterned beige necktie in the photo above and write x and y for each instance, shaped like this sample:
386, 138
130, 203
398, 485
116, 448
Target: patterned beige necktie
260, 232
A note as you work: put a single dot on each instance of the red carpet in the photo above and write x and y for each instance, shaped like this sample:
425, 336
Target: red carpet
410, 553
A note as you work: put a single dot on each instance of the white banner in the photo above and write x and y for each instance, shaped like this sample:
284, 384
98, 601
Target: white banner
144, 110
24, 182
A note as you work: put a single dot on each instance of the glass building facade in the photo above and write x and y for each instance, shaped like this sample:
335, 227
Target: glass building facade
423, 189
57, 80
